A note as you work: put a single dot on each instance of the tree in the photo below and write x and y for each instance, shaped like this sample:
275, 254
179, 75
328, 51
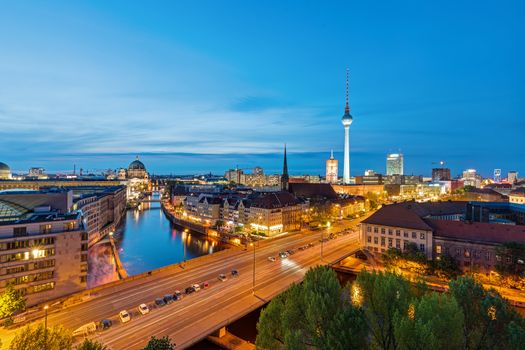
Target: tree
89, 344
163, 343
316, 314
11, 301
512, 259
37, 338
434, 321
487, 315
384, 296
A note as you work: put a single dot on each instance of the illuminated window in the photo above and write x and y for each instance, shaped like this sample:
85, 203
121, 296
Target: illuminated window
438, 249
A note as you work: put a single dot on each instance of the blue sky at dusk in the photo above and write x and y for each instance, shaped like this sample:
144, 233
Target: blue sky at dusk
198, 86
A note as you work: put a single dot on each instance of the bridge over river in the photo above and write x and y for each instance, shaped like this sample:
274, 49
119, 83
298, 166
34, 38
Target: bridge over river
202, 313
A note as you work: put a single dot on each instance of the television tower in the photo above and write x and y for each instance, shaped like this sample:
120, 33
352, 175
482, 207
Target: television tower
347, 120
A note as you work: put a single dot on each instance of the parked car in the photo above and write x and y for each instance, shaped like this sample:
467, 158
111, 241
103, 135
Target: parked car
105, 324
143, 309
177, 295
159, 302
271, 258
205, 285
302, 247
189, 290
290, 252
235, 273
168, 298
196, 287
283, 255
222, 277
124, 316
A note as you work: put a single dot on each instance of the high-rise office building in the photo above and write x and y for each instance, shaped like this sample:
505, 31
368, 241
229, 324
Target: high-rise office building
441, 174
512, 177
394, 164
332, 169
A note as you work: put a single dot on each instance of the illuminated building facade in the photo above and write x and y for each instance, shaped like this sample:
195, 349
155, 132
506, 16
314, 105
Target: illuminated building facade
332, 169
394, 164
43, 253
5, 171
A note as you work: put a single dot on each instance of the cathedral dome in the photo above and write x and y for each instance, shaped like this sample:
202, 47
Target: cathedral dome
136, 165
5, 171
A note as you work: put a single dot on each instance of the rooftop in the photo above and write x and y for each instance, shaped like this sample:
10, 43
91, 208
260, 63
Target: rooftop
478, 232
398, 215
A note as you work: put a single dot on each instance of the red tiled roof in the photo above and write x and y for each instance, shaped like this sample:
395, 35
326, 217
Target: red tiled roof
275, 200
398, 215
481, 232
518, 192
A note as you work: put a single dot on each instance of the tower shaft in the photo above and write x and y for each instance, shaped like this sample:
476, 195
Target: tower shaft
346, 168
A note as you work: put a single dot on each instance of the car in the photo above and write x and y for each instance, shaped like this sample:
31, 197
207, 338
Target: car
159, 302
124, 316
283, 255
235, 273
302, 248
168, 298
222, 277
205, 285
311, 244
105, 324
290, 252
271, 258
177, 295
189, 290
143, 309
196, 286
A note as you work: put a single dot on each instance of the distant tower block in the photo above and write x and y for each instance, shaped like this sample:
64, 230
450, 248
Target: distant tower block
332, 165
347, 120
497, 175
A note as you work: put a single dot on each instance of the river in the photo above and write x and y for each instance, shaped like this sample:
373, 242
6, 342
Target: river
147, 240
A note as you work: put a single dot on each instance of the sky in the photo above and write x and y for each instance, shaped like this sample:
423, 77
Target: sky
203, 86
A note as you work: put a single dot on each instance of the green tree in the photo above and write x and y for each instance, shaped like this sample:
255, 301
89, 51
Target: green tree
316, 314
434, 321
89, 344
163, 343
487, 315
11, 301
37, 338
515, 336
384, 296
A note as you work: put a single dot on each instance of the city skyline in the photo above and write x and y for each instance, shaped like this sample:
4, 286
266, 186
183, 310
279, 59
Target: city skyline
151, 84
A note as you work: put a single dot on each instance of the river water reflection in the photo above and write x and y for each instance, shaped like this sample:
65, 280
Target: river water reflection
148, 240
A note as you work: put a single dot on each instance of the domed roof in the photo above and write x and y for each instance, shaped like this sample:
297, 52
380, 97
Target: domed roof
136, 165
4, 166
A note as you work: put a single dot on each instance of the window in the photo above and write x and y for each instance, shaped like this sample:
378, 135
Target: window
376, 230
422, 247
405, 234
438, 249
467, 253
383, 241
84, 236
368, 229
382, 230
405, 244
41, 287
68, 226
45, 228
376, 240
390, 231
84, 247
84, 268
369, 239
498, 258
83, 257
398, 233
398, 243
414, 235
83, 279
458, 252
390, 242
19, 231
422, 235
487, 256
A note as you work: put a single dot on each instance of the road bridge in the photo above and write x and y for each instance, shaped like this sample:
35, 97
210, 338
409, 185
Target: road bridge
202, 313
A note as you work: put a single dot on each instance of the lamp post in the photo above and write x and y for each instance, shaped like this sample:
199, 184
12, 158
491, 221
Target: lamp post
45, 326
253, 282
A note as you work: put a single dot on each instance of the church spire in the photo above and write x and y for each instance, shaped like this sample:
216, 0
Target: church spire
284, 177
347, 106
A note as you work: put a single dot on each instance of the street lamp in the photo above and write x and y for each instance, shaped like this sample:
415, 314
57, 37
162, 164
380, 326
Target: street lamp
45, 326
253, 283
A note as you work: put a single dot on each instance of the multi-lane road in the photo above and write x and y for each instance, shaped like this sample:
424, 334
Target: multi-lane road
199, 314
